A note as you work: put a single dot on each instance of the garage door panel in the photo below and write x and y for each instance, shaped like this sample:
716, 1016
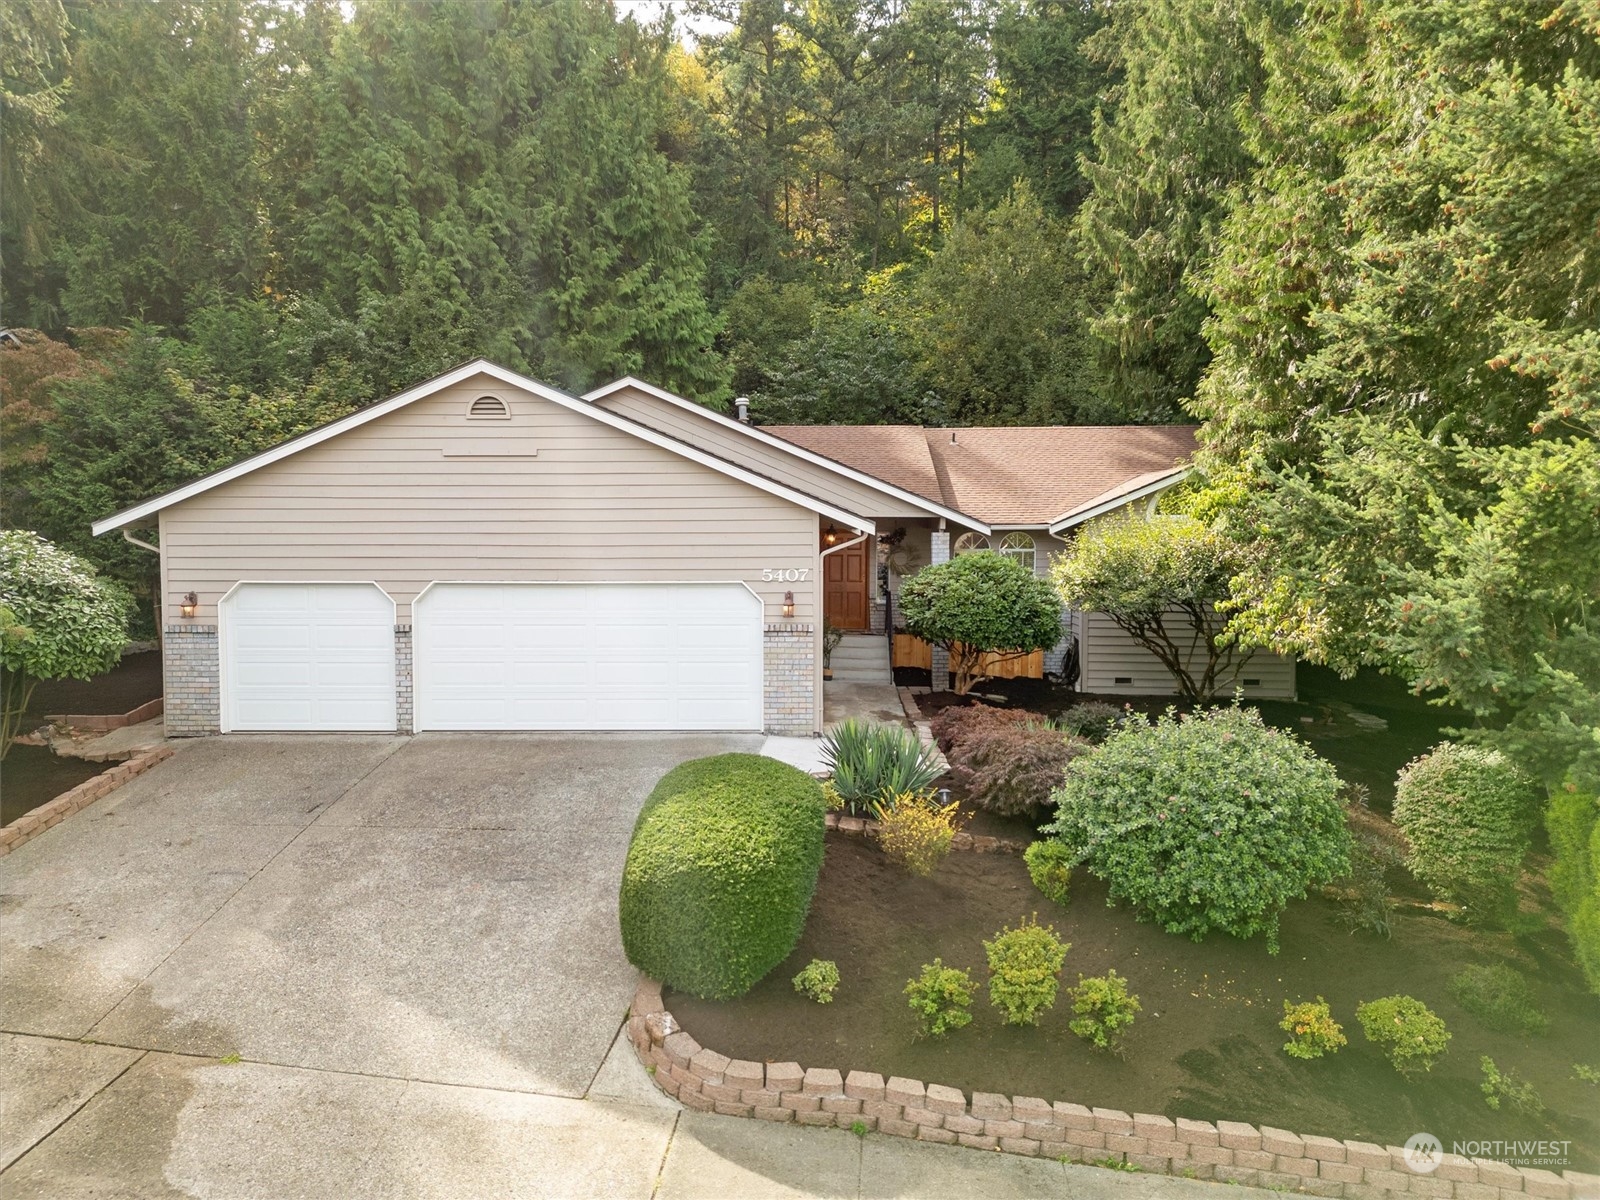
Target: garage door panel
308, 657
591, 656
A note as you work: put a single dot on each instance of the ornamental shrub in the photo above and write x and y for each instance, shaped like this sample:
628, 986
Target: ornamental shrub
1104, 1009
1406, 1030
953, 725
942, 999
1206, 821
1500, 997
977, 603
873, 763
916, 831
1573, 821
1311, 1028
1467, 814
720, 873
1024, 965
1506, 1087
1049, 865
1011, 770
818, 979
1092, 720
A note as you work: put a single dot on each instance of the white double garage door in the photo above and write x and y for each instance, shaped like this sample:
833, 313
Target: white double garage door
664, 656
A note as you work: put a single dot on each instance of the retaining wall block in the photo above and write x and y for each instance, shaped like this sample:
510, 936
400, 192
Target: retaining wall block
1031, 1109
801, 1102
1282, 1142
785, 1077
1536, 1181
822, 1081
816, 1118
742, 1073
1153, 1163
991, 1106
1153, 1127
772, 1113
1112, 1120
896, 1128
1454, 1167
978, 1141
1005, 1129
961, 1123
883, 1110
864, 1085
731, 1108
841, 1105
1255, 1160
922, 1116
932, 1133
1584, 1186
1326, 1149
1365, 1154
1236, 1135
1020, 1145
681, 1048
1072, 1116
1218, 1156
709, 1065
947, 1100
902, 1091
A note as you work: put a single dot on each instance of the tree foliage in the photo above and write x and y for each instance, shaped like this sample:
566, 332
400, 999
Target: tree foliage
980, 603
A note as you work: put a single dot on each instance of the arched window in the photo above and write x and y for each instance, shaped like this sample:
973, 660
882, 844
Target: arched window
1019, 547
489, 408
968, 542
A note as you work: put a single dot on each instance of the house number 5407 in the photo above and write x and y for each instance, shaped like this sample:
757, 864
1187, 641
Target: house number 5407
785, 574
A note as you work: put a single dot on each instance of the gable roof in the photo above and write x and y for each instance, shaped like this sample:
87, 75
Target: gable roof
449, 379
906, 473
1016, 476
1127, 492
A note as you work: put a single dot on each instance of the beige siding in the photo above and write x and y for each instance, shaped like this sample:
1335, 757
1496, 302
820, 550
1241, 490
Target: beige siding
1109, 654
548, 495
715, 438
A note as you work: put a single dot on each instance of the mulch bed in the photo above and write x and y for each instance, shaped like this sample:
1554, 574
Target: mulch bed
134, 681
34, 776
1206, 1046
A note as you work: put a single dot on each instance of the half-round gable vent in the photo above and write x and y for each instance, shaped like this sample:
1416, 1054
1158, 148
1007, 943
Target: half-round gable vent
489, 406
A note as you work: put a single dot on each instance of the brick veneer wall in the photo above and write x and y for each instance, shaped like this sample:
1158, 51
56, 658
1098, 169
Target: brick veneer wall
939, 552
50, 814
788, 677
403, 704
190, 669
1227, 1151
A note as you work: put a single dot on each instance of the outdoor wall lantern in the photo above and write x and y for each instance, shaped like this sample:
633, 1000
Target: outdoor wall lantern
831, 536
190, 605
788, 604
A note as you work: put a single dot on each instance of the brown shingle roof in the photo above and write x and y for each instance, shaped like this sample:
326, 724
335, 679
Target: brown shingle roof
1003, 475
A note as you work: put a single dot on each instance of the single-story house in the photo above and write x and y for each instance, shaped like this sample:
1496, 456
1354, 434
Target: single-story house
483, 551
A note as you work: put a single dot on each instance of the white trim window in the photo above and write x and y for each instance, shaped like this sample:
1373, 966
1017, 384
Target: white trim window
1020, 548
967, 543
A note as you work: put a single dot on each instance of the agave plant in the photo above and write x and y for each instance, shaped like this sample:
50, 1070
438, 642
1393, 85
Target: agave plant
872, 764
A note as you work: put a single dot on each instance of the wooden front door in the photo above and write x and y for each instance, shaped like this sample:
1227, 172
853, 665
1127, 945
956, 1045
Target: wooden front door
845, 577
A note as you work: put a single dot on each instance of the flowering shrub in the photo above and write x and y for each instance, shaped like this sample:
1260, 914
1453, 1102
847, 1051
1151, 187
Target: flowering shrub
1311, 1028
1405, 1029
941, 997
1012, 769
1049, 865
1468, 815
915, 830
818, 979
1023, 967
1104, 1010
1206, 821
953, 725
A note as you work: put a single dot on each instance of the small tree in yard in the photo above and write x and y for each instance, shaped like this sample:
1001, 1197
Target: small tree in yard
1159, 580
58, 620
978, 604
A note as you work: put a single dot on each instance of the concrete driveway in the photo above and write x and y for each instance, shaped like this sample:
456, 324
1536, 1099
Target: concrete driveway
379, 967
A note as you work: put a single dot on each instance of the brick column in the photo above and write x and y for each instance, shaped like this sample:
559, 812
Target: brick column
939, 552
789, 679
402, 679
190, 669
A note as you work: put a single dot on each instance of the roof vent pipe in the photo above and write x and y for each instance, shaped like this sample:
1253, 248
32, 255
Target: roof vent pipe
742, 407
952, 437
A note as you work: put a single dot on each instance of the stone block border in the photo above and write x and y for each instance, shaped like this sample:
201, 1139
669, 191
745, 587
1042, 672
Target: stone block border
147, 711
1224, 1151
866, 827
31, 824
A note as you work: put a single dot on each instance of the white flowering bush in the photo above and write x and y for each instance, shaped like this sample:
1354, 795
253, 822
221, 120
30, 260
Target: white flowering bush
58, 620
1205, 821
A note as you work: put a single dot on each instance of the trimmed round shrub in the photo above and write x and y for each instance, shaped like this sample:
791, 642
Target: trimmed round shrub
1024, 970
1104, 1009
1206, 821
941, 998
1012, 769
1468, 815
1411, 1034
1049, 865
1311, 1028
720, 873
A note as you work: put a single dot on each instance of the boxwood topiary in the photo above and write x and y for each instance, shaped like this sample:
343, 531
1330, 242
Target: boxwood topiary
720, 873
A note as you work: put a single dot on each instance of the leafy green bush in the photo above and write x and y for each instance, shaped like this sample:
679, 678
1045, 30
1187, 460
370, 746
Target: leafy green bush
1573, 821
1024, 966
1468, 815
1406, 1030
941, 997
720, 873
873, 763
916, 831
1500, 997
1366, 903
1311, 1028
954, 724
980, 602
1049, 865
1507, 1088
818, 979
1206, 821
1093, 720
1012, 769
1103, 1010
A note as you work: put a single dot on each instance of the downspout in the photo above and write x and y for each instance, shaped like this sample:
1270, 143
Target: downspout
161, 634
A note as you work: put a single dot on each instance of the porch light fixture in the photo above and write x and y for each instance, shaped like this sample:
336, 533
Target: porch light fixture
788, 604
831, 536
190, 605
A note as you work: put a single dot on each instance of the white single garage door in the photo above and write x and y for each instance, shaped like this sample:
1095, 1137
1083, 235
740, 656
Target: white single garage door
587, 656
307, 656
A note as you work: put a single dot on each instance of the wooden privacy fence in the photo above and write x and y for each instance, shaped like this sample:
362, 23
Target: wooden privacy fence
912, 651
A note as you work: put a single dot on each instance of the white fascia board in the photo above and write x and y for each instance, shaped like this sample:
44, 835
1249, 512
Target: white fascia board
1116, 500
800, 452
448, 380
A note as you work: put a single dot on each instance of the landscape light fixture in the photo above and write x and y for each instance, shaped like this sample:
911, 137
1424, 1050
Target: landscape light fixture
831, 536
190, 605
788, 604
